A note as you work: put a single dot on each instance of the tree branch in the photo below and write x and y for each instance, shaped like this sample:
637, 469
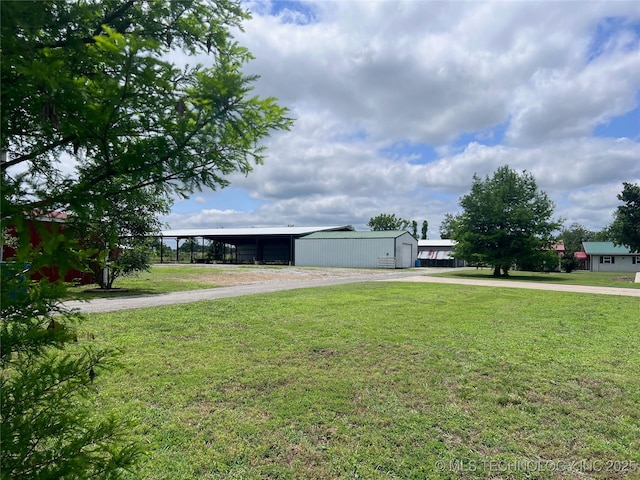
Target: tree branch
107, 19
30, 156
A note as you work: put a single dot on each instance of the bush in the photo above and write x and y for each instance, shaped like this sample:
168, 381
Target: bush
124, 261
569, 262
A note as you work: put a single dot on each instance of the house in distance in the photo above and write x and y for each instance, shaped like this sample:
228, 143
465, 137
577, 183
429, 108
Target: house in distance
608, 257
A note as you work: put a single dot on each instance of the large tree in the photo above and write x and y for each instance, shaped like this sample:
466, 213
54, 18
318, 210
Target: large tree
625, 229
505, 219
95, 110
87, 86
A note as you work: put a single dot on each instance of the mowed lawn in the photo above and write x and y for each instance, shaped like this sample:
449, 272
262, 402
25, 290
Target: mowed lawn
578, 277
379, 381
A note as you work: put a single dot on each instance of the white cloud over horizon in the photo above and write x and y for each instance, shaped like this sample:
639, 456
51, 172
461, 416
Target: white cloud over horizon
398, 104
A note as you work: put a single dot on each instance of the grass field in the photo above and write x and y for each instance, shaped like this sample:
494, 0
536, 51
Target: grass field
158, 280
580, 277
381, 381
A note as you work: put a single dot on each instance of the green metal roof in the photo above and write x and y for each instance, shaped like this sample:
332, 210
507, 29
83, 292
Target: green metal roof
604, 248
349, 235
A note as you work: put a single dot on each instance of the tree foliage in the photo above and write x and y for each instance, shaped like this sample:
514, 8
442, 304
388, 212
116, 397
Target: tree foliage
573, 236
88, 84
388, 222
119, 232
98, 121
425, 229
49, 428
448, 226
505, 220
625, 229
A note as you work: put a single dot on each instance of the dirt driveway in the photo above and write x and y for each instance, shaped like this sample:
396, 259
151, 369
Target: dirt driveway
237, 281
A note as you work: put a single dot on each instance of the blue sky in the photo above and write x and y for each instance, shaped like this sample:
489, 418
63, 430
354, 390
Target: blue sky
398, 104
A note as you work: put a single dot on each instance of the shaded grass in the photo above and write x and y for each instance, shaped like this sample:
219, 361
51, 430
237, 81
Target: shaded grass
597, 279
380, 380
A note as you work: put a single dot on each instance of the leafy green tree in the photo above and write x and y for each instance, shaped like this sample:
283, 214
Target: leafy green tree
93, 112
425, 229
125, 261
573, 237
448, 226
626, 225
154, 245
414, 229
49, 428
89, 83
388, 222
119, 232
604, 235
190, 245
505, 220
215, 251
545, 260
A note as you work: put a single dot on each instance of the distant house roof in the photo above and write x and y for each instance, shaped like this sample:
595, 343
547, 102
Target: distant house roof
604, 248
580, 255
437, 243
246, 232
364, 234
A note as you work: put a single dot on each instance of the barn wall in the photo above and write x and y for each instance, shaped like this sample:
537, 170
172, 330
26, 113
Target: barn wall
357, 252
343, 252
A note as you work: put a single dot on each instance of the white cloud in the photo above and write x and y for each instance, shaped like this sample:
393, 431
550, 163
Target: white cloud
361, 77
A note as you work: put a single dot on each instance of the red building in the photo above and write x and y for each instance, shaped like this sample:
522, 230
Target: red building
39, 228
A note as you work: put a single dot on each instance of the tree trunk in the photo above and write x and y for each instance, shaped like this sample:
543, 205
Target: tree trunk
496, 270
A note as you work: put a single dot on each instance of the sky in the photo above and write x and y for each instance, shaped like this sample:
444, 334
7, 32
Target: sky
398, 104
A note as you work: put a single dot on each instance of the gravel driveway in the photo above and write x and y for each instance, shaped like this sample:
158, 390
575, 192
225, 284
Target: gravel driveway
249, 282
293, 278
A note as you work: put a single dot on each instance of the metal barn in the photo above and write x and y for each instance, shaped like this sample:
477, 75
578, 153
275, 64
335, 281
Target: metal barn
247, 245
391, 249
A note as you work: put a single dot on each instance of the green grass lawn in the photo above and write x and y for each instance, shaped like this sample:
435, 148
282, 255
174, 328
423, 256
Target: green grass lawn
160, 279
380, 381
580, 277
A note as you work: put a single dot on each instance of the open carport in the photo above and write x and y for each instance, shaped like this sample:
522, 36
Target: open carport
245, 245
